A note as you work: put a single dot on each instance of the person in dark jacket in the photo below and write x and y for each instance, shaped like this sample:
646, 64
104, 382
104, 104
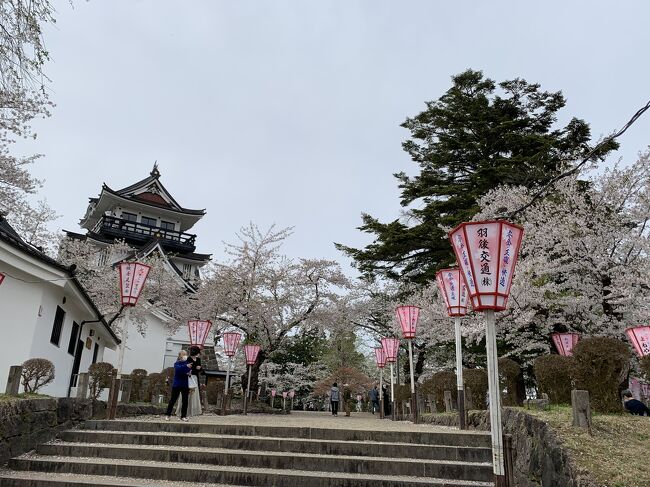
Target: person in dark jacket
386, 395
182, 370
335, 397
374, 398
634, 406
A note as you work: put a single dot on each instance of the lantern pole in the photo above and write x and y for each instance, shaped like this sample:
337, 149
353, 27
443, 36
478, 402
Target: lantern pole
248, 390
459, 375
225, 391
414, 410
125, 334
392, 393
495, 399
381, 393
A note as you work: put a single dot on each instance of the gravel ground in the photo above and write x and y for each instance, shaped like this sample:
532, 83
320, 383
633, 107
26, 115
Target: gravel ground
303, 419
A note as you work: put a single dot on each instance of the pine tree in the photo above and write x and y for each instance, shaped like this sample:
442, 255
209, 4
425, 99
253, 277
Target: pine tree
476, 136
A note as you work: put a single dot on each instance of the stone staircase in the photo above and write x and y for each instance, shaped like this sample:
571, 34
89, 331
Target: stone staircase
150, 453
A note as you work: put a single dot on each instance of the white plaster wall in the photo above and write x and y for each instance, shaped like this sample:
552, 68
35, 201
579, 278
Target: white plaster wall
19, 304
142, 352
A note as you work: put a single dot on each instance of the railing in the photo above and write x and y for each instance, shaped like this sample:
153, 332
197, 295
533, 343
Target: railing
141, 233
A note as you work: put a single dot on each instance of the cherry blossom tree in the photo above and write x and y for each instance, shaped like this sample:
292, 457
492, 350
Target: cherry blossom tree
22, 99
266, 295
585, 259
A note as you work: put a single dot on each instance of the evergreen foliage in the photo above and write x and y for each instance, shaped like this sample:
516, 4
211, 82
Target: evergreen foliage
475, 137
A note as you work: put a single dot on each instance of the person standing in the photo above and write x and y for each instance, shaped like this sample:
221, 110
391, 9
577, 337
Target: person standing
374, 399
194, 397
387, 410
182, 371
335, 397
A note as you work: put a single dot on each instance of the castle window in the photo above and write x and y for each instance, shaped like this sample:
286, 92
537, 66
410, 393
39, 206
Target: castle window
149, 221
57, 327
131, 217
167, 225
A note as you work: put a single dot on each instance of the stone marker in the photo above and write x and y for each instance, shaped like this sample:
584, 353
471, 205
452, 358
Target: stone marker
13, 381
432, 403
449, 404
581, 409
82, 385
126, 390
469, 399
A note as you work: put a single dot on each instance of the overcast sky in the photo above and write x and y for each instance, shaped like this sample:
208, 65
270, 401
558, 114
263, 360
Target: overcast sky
288, 112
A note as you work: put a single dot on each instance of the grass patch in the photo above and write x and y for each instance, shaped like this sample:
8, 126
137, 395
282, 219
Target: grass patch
617, 453
23, 396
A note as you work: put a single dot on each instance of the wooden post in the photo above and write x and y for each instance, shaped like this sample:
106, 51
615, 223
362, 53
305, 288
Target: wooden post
82, 385
460, 385
449, 405
13, 381
126, 391
581, 409
509, 461
111, 404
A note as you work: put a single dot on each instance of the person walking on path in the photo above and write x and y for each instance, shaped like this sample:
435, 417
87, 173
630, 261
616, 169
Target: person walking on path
374, 398
335, 397
182, 371
387, 410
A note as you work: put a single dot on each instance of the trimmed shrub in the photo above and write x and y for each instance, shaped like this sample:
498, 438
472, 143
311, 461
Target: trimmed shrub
601, 366
477, 381
138, 377
509, 377
553, 376
444, 381
36, 373
100, 378
168, 374
645, 366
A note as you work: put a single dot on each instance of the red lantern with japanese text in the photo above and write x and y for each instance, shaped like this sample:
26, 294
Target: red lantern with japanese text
198, 330
487, 253
391, 347
251, 352
453, 290
564, 342
640, 338
273, 392
132, 278
231, 342
380, 357
407, 316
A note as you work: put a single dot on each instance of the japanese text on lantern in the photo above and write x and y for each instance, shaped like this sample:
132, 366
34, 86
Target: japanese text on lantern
484, 256
460, 244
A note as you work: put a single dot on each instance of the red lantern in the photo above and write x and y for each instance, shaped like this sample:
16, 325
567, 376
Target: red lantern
273, 392
408, 319
251, 352
231, 342
487, 253
2, 277
640, 338
292, 393
132, 278
284, 395
390, 346
453, 291
199, 330
564, 342
380, 357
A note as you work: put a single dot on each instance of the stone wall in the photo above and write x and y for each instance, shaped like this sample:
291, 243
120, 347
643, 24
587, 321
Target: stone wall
24, 423
540, 459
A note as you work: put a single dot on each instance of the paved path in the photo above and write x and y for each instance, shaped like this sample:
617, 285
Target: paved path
308, 419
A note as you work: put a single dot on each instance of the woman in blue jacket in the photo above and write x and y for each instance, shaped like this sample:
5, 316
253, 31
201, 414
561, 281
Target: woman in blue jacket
182, 370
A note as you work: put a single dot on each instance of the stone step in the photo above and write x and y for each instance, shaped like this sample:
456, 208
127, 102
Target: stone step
275, 460
202, 474
320, 447
451, 438
13, 478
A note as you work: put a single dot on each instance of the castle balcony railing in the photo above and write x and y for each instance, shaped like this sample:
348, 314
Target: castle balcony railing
140, 233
